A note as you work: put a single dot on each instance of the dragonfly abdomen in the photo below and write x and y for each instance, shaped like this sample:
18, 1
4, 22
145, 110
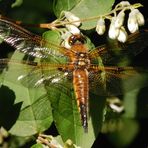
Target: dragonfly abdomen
80, 82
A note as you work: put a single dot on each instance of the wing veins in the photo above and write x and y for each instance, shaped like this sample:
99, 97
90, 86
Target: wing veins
26, 41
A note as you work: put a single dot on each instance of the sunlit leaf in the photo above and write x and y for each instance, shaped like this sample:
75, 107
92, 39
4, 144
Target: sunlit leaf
35, 113
60, 5
91, 9
85, 9
38, 145
67, 116
17, 3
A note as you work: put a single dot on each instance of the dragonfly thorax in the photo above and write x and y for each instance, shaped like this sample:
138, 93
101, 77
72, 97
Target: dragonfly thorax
81, 60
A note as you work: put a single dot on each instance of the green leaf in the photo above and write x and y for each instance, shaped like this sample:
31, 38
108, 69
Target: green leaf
85, 9
67, 117
138, 103
17, 3
119, 137
91, 9
60, 5
36, 11
38, 145
35, 113
131, 98
52, 36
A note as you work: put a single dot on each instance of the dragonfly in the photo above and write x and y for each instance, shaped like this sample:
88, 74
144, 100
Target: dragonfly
81, 68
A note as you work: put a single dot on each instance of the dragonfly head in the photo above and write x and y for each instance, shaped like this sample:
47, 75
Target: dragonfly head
77, 39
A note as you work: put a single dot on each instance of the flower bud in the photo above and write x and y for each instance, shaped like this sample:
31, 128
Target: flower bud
113, 31
140, 17
65, 44
71, 17
100, 28
122, 35
65, 36
124, 3
119, 19
73, 29
132, 22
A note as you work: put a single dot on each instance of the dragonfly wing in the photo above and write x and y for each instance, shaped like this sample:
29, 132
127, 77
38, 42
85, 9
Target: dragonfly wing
49, 76
135, 43
112, 53
27, 42
32, 74
113, 80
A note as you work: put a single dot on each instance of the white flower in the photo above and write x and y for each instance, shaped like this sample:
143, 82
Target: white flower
113, 31
122, 35
132, 22
119, 19
71, 17
100, 28
65, 36
72, 29
65, 44
124, 3
140, 17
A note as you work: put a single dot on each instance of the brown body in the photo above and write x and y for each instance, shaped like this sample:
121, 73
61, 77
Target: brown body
80, 60
81, 87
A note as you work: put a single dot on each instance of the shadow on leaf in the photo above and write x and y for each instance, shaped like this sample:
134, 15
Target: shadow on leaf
142, 103
9, 111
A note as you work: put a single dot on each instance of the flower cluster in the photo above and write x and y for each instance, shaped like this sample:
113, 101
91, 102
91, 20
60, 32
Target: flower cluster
116, 17
116, 29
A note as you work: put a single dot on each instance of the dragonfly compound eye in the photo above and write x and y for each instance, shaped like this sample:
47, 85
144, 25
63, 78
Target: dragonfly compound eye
77, 39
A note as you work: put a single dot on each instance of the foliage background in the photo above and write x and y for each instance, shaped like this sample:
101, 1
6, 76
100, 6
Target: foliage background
34, 12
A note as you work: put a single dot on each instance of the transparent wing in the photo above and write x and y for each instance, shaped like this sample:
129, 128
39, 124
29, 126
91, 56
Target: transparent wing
135, 43
33, 74
112, 52
27, 42
114, 80
48, 75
